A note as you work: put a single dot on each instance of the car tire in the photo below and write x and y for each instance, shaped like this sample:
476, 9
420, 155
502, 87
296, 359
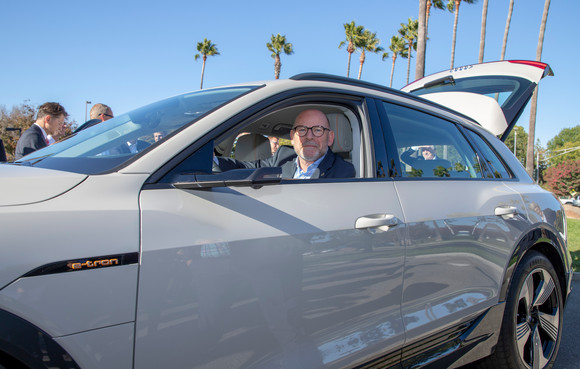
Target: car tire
532, 321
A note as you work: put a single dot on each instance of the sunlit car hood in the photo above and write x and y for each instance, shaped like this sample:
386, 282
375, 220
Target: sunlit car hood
25, 185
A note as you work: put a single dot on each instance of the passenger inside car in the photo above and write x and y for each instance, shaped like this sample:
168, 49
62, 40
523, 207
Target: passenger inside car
322, 145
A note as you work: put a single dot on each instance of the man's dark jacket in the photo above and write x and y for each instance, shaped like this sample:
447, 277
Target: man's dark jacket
31, 140
332, 166
87, 124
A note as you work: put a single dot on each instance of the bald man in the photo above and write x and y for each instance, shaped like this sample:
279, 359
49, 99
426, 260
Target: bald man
312, 157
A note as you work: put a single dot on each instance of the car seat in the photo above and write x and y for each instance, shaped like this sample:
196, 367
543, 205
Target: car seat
252, 146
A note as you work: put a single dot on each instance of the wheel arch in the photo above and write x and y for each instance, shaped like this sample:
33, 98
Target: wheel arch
547, 241
24, 345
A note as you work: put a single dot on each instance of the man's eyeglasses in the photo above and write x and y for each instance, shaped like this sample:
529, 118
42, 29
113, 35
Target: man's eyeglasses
317, 131
108, 115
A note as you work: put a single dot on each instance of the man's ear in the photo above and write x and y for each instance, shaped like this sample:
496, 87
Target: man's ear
330, 138
45, 120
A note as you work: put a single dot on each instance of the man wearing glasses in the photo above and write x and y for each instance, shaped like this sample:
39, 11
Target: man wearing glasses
312, 157
99, 113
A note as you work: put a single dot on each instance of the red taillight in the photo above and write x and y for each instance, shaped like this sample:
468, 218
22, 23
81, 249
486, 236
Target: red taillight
543, 66
530, 62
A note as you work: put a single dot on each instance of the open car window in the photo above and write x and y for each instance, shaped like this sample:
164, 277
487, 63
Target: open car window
254, 141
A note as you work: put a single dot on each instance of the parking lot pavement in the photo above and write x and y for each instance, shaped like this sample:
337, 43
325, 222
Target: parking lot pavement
569, 354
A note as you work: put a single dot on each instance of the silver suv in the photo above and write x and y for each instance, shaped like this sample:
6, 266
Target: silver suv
119, 251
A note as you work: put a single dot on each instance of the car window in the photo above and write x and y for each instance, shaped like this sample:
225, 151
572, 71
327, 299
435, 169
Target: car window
430, 147
264, 140
495, 165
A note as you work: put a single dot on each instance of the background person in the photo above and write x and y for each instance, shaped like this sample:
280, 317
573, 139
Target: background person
99, 113
49, 121
425, 152
274, 144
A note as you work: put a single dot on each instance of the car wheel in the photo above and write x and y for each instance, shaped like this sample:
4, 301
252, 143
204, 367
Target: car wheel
532, 321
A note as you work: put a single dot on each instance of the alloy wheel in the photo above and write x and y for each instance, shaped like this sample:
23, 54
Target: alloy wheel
537, 319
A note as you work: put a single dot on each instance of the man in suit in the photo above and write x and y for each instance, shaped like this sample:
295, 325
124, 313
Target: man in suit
312, 157
99, 113
49, 121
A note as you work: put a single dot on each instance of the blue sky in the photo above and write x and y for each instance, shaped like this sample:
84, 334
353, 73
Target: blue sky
130, 53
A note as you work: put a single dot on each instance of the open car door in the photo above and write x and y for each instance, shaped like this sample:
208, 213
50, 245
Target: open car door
493, 94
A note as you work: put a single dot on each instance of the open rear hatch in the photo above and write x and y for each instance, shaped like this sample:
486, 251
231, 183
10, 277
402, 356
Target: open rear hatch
494, 94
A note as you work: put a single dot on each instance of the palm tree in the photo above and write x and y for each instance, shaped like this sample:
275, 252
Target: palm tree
367, 42
205, 48
398, 47
483, 24
453, 5
534, 104
277, 46
409, 32
507, 29
352, 32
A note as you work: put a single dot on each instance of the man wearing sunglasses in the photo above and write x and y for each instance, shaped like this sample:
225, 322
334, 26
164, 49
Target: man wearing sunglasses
312, 157
99, 113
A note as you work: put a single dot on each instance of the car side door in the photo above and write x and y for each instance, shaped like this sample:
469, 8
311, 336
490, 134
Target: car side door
463, 223
263, 272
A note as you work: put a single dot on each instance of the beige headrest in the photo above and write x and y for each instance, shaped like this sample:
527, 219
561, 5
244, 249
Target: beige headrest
252, 146
342, 132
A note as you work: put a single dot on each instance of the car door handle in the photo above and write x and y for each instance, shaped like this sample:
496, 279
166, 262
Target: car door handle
376, 220
506, 210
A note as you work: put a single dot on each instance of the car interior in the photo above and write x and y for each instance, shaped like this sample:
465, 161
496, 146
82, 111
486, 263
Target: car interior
250, 142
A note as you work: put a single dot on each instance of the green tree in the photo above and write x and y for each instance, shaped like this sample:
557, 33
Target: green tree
278, 45
564, 146
453, 5
205, 48
367, 42
353, 32
398, 47
409, 32
521, 140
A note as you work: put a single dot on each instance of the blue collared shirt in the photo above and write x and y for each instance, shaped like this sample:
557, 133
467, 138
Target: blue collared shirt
300, 174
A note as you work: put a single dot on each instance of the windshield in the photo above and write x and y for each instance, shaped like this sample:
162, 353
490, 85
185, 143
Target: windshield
110, 144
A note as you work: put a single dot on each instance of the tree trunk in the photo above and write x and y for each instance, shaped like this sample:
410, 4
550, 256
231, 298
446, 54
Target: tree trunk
457, 2
533, 107
393, 69
409, 60
362, 61
277, 66
421, 41
483, 26
507, 29
202, 71
348, 65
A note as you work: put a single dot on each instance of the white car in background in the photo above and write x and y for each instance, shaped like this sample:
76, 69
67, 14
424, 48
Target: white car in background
159, 259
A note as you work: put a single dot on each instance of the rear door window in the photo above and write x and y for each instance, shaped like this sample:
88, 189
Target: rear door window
430, 147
